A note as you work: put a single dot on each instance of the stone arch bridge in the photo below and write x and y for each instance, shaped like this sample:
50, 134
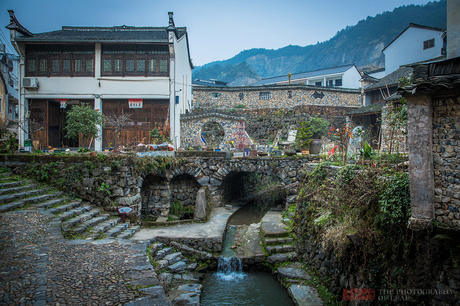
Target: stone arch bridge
215, 177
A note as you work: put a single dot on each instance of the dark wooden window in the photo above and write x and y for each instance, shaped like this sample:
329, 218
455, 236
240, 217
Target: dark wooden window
55, 67
290, 94
318, 83
43, 65
338, 82
66, 66
59, 60
135, 60
265, 95
241, 96
31, 66
89, 65
427, 44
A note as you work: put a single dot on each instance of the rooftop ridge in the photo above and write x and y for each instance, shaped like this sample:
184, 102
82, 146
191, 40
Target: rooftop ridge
114, 28
273, 77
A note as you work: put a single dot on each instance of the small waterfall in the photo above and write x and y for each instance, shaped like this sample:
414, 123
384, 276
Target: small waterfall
229, 267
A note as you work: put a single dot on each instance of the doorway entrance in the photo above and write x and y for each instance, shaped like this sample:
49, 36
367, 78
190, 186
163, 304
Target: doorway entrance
47, 124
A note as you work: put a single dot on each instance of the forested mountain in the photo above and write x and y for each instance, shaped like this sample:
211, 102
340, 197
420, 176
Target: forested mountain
360, 44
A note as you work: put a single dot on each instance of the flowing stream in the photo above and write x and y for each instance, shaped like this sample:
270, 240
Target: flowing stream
230, 285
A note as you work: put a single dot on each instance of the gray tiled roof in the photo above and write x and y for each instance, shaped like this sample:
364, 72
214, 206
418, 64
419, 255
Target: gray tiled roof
93, 34
391, 79
302, 75
207, 83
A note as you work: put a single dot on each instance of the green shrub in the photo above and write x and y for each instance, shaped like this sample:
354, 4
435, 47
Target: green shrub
394, 203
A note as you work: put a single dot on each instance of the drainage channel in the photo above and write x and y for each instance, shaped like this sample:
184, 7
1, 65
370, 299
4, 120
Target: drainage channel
230, 285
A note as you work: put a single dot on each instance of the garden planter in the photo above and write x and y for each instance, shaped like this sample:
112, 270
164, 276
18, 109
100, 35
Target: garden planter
315, 146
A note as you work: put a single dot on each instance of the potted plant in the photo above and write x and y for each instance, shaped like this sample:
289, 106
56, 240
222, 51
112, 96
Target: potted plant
318, 127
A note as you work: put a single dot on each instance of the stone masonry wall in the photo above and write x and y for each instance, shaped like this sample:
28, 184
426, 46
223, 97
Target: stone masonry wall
192, 125
284, 97
446, 160
155, 197
184, 189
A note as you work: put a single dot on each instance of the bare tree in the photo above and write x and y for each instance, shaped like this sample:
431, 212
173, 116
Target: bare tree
30, 126
117, 122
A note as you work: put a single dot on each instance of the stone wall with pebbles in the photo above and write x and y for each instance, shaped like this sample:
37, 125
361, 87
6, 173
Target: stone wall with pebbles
253, 97
192, 128
446, 160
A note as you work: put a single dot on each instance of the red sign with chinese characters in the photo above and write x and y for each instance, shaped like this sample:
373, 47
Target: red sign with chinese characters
135, 103
63, 102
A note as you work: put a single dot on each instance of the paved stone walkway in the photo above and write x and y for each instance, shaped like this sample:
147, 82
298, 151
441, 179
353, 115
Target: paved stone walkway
38, 266
213, 229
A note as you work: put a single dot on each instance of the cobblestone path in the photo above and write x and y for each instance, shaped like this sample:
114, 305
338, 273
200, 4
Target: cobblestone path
38, 266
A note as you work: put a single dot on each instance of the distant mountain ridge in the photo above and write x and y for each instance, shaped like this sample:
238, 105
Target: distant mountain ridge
360, 44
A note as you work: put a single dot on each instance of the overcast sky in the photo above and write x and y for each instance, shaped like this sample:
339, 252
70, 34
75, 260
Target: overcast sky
217, 29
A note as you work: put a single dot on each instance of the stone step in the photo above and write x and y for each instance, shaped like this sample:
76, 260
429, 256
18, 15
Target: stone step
11, 206
74, 212
91, 222
51, 203
155, 247
179, 266
129, 232
65, 207
117, 229
20, 195
104, 226
11, 184
41, 198
279, 249
273, 241
80, 219
173, 257
16, 189
278, 234
163, 252
281, 257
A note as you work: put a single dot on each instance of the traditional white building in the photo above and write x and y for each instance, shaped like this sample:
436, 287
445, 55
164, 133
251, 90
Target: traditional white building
416, 43
143, 71
346, 76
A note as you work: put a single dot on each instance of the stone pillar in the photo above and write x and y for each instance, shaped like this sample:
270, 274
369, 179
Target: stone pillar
420, 118
98, 139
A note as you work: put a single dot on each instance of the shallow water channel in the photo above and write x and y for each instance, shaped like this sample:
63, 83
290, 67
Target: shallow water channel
230, 285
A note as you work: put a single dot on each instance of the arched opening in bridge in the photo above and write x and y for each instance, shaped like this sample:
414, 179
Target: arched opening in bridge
255, 193
154, 197
184, 188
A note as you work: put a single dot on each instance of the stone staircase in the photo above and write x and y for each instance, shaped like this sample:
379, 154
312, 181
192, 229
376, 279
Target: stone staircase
298, 283
78, 219
278, 244
177, 274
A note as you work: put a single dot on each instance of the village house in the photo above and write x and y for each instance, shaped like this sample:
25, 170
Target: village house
142, 71
346, 76
8, 87
416, 43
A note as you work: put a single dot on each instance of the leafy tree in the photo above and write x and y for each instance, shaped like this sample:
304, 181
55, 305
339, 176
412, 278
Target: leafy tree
304, 135
82, 119
318, 126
